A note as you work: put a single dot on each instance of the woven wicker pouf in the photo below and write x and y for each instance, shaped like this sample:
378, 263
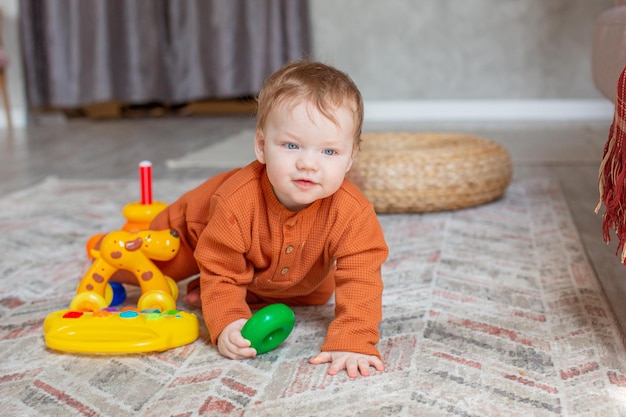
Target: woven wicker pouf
424, 172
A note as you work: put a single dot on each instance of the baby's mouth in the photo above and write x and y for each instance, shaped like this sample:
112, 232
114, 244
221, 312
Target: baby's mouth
304, 183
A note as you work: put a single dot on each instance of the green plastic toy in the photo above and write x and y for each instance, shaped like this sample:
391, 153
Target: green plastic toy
269, 327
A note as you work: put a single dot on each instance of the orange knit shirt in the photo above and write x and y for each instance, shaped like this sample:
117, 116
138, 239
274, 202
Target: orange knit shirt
247, 245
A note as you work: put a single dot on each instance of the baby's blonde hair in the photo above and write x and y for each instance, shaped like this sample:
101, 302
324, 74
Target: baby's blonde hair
323, 86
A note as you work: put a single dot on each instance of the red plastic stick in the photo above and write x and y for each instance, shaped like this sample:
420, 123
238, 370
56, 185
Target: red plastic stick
145, 180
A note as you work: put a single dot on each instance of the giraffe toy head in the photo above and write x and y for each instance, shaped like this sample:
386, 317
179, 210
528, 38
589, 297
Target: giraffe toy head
127, 249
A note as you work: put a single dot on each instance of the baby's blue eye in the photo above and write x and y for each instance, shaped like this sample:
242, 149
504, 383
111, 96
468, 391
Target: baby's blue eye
329, 151
291, 146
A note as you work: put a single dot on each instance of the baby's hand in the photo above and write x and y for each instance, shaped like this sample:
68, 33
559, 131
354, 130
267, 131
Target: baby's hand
352, 362
232, 344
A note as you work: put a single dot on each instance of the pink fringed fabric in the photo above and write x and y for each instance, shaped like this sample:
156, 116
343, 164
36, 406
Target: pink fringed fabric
612, 175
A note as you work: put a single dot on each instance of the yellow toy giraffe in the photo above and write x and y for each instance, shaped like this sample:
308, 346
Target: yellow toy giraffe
134, 252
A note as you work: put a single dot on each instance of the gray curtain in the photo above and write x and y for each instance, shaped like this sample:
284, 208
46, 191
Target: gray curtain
80, 52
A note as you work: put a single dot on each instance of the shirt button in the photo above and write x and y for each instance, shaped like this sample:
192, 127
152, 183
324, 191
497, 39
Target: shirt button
289, 249
284, 271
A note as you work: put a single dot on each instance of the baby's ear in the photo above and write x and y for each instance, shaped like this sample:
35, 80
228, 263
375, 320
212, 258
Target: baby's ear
259, 145
352, 158
349, 164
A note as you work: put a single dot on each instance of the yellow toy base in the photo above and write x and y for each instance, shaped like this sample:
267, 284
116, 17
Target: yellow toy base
117, 332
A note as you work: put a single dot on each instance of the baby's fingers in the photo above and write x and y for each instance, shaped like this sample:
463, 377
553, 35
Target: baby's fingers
236, 339
377, 364
232, 344
364, 364
337, 362
322, 357
240, 347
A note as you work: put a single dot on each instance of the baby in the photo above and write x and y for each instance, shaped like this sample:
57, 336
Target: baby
289, 227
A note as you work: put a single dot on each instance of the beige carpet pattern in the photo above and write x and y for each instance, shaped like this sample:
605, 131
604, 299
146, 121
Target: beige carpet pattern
489, 311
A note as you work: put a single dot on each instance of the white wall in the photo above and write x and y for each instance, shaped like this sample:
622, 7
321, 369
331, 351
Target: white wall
414, 53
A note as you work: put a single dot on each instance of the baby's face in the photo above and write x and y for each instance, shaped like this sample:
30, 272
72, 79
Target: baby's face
306, 155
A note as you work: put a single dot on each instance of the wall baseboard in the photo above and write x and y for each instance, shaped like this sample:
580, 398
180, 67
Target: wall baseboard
488, 110
457, 110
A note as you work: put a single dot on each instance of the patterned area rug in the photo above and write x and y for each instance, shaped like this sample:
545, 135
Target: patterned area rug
488, 311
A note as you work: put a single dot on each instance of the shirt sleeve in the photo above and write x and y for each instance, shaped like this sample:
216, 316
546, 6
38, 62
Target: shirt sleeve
183, 265
188, 216
360, 252
225, 272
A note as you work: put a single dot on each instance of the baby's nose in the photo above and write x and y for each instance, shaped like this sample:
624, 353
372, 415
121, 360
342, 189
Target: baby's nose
307, 161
